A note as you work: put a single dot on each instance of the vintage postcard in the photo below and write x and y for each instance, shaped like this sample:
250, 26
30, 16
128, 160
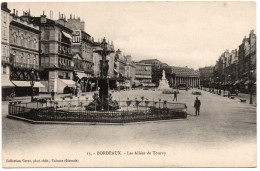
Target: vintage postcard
128, 84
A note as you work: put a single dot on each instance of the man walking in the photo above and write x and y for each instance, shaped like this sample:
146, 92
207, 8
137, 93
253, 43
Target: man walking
175, 96
197, 106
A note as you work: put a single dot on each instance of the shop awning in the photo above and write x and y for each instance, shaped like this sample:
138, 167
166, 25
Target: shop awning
38, 84
143, 76
22, 83
6, 82
67, 35
69, 83
81, 75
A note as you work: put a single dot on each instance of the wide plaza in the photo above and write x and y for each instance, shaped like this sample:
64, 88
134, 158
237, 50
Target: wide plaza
225, 129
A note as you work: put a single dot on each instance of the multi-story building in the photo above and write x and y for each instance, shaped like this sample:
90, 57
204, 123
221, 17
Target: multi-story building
236, 69
143, 74
7, 85
56, 53
130, 71
249, 63
83, 53
242, 63
121, 65
231, 67
206, 75
24, 40
82, 44
156, 69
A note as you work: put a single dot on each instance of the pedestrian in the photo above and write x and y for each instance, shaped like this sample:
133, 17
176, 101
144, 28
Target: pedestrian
52, 95
175, 96
197, 106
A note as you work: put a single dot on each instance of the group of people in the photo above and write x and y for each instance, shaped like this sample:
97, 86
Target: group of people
197, 103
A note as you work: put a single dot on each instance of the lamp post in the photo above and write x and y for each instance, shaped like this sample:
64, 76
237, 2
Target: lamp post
32, 83
251, 87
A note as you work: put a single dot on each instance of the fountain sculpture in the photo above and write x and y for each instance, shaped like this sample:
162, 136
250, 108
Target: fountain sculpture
164, 84
104, 100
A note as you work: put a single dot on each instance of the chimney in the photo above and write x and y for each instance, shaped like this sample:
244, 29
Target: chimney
16, 12
43, 18
251, 31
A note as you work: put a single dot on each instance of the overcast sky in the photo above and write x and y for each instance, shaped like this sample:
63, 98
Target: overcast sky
192, 34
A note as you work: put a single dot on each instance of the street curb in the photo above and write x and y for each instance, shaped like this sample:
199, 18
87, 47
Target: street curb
88, 123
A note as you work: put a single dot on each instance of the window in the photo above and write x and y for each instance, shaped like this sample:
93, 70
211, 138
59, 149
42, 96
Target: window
14, 38
22, 40
22, 57
4, 32
28, 42
59, 36
5, 18
4, 52
4, 69
34, 43
28, 59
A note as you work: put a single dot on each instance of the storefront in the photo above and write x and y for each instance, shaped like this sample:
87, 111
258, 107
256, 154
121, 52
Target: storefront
24, 88
7, 88
66, 86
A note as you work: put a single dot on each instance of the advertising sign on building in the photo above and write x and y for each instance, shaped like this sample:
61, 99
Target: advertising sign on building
76, 37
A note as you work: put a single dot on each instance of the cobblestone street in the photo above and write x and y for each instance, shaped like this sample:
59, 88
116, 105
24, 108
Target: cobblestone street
225, 129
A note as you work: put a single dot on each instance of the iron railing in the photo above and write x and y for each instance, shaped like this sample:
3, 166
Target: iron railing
75, 111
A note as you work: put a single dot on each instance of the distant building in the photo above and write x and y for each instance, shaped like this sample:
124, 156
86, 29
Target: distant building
206, 75
247, 62
130, 70
156, 69
187, 76
143, 74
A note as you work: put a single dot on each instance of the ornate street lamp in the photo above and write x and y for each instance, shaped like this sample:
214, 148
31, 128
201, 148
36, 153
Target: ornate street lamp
32, 83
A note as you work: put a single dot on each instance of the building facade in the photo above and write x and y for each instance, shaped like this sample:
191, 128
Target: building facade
82, 44
56, 54
24, 40
130, 71
7, 85
143, 74
206, 75
187, 76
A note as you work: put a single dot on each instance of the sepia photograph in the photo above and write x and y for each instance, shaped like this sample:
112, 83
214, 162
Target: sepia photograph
128, 84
